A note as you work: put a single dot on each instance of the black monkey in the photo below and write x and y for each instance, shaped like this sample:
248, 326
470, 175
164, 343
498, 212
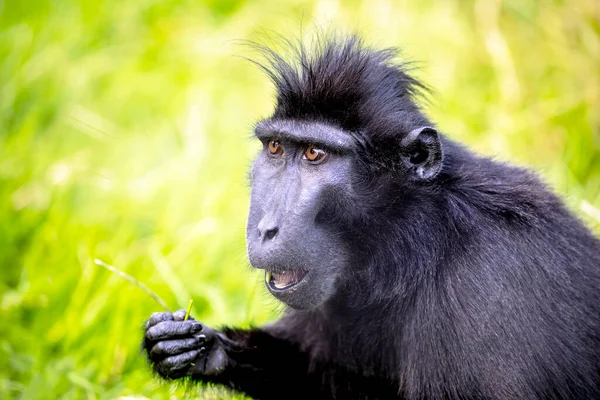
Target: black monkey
411, 267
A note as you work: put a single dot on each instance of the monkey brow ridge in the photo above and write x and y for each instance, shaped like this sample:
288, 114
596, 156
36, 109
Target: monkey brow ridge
306, 132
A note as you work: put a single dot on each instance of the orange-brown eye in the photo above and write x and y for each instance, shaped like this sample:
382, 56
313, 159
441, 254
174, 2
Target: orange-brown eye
275, 147
314, 154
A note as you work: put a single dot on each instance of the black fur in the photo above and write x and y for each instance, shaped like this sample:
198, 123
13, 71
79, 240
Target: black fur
477, 284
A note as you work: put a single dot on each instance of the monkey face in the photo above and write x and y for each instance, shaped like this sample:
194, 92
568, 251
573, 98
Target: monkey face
306, 186
298, 179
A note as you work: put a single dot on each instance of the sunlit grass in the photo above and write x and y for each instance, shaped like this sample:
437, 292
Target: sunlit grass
125, 137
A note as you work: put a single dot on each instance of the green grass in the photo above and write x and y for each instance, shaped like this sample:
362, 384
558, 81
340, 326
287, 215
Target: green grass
124, 136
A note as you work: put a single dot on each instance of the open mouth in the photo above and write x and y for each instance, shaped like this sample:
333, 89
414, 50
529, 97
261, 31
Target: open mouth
284, 280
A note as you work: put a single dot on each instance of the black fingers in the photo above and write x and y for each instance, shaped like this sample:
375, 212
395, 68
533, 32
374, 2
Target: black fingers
178, 348
168, 348
158, 317
177, 366
170, 329
179, 315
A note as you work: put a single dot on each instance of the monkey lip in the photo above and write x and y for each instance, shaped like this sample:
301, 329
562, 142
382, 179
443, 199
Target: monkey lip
283, 280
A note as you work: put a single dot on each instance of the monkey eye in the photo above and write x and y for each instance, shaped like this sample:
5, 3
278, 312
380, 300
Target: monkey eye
314, 154
275, 147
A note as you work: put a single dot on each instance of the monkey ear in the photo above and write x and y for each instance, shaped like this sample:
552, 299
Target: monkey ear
422, 153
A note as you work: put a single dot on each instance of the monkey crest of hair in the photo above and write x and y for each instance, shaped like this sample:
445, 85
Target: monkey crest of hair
411, 267
340, 81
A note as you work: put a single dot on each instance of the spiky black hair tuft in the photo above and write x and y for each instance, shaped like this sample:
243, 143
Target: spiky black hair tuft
341, 81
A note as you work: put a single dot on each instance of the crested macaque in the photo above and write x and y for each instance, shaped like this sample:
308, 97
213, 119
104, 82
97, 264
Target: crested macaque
410, 267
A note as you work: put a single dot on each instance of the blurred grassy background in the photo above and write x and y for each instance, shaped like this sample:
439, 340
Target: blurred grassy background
124, 135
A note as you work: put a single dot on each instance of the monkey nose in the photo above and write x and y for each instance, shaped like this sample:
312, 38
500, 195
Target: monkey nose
267, 229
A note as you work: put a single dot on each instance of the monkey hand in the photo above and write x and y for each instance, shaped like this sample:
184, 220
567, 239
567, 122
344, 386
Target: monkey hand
178, 348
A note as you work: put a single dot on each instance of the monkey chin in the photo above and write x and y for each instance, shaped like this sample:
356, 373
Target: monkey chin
298, 289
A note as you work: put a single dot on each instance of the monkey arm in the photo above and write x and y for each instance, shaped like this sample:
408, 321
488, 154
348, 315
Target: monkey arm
253, 361
262, 365
265, 366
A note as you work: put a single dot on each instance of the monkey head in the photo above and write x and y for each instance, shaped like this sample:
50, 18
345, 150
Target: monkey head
304, 185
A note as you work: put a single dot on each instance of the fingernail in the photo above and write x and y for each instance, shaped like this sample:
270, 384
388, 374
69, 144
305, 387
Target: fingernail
201, 339
196, 328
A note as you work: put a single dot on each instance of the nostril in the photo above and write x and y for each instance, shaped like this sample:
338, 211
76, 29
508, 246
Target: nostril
267, 228
270, 233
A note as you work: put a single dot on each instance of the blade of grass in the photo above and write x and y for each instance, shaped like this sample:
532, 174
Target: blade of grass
135, 282
189, 309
